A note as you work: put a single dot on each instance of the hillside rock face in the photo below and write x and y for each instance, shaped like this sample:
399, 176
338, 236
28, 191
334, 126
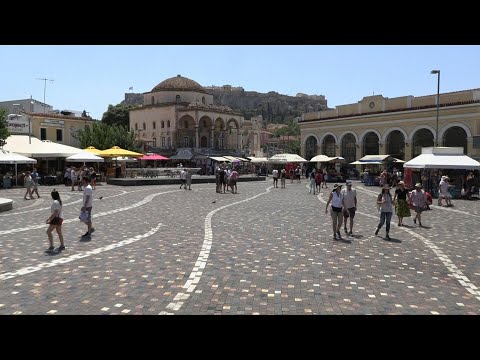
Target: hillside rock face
274, 107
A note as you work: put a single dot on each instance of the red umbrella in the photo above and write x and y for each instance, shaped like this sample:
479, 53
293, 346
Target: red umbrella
152, 156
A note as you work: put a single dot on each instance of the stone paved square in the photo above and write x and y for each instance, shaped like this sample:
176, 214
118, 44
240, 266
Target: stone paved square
161, 250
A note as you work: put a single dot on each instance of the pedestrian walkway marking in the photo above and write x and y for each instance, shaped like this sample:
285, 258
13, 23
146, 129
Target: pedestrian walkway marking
13, 213
146, 200
80, 255
452, 268
197, 270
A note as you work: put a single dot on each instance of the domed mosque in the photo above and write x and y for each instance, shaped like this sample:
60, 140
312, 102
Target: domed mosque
179, 114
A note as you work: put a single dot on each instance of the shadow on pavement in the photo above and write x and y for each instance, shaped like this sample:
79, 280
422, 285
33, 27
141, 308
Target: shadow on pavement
393, 240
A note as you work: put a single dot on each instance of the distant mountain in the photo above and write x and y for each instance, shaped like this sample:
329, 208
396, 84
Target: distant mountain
274, 107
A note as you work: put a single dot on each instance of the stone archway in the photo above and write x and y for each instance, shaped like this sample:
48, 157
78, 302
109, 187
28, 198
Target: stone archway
370, 144
186, 132
396, 144
311, 147
421, 138
349, 148
328, 146
455, 137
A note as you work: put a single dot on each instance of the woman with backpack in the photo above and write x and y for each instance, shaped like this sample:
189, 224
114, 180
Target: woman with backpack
385, 202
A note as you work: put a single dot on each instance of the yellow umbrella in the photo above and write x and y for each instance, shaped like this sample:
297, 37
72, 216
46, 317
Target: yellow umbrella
117, 151
93, 150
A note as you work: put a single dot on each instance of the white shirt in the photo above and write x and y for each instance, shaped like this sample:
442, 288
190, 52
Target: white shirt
337, 199
88, 191
275, 173
56, 206
443, 187
349, 197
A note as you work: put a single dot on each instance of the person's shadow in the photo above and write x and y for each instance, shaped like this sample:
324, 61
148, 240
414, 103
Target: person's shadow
393, 240
85, 238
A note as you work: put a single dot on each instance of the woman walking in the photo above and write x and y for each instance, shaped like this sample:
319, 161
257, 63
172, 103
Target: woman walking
55, 221
401, 204
27, 180
384, 200
337, 200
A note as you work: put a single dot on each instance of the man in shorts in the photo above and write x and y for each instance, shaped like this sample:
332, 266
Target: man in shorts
350, 198
87, 204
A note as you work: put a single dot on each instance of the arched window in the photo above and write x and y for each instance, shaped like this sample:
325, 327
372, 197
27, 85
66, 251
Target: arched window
455, 137
396, 144
168, 123
154, 125
370, 144
310, 147
186, 124
422, 138
328, 146
136, 126
144, 126
349, 148
203, 99
177, 98
204, 123
153, 100
162, 124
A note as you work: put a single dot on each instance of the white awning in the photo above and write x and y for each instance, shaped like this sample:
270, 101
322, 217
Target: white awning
325, 158
219, 158
37, 148
7, 157
370, 158
254, 159
286, 158
442, 158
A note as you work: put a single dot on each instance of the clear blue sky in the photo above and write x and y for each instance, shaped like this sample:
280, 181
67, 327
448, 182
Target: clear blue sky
92, 77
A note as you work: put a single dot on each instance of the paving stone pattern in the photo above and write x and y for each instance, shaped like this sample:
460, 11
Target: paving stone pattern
271, 254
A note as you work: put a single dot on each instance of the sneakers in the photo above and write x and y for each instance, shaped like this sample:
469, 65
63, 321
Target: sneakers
387, 237
87, 234
61, 247
92, 230
376, 231
350, 234
51, 248
339, 235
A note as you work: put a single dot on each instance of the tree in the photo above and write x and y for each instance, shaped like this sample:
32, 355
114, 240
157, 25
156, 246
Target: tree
118, 115
4, 132
104, 136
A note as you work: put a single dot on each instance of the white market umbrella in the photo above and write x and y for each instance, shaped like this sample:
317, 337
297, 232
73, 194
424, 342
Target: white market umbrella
85, 156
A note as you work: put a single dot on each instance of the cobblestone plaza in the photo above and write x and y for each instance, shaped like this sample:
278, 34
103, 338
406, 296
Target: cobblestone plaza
161, 250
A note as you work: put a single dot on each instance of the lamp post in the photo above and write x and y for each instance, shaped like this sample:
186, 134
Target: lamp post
438, 102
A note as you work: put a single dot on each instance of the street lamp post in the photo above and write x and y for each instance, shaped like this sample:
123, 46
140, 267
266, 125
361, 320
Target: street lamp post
438, 102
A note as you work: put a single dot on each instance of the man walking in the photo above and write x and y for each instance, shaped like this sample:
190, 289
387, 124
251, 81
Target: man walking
35, 179
87, 204
350, 198
275, 177
183, 179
